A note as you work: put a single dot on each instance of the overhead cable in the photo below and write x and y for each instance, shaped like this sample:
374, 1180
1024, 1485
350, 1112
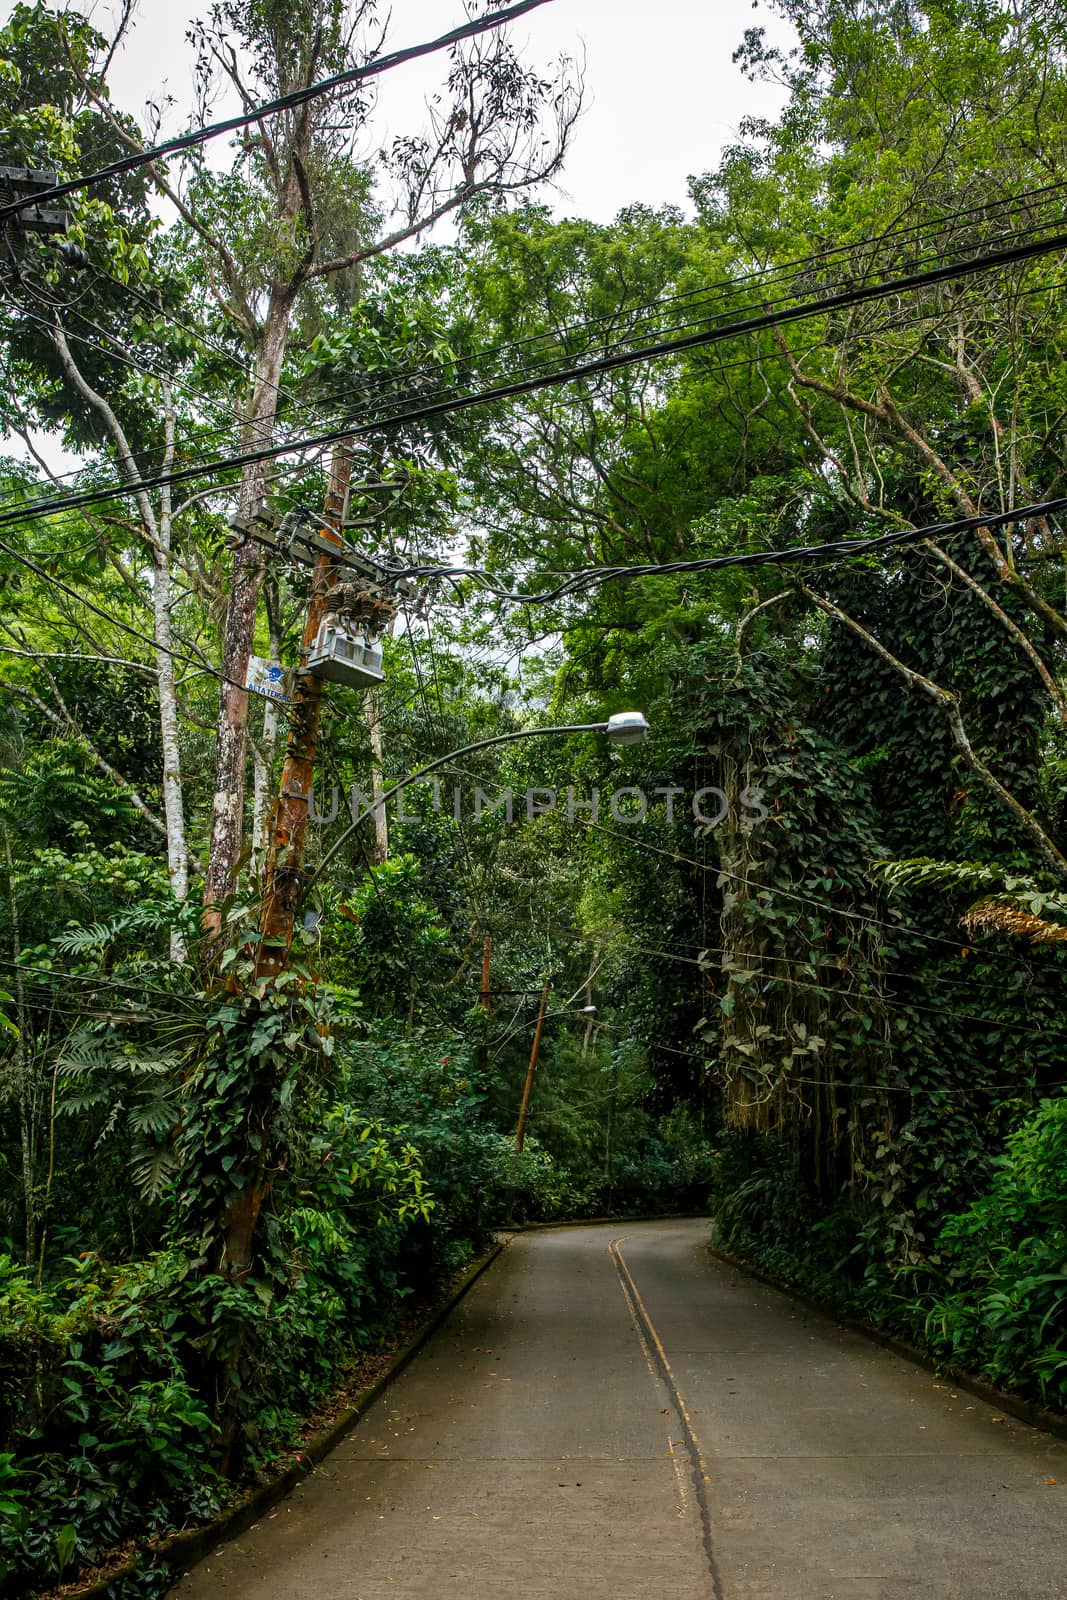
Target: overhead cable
270, 108
64, 588
609, 362
834, 550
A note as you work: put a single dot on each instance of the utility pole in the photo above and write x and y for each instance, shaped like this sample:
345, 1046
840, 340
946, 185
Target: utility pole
344, 620
520, 1128
288, 826
22, 183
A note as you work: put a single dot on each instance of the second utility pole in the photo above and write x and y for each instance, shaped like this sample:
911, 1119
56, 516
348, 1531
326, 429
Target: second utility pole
520, 1130
285, 857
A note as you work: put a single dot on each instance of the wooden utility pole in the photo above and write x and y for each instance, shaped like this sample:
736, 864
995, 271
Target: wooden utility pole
288, 827
520, 1128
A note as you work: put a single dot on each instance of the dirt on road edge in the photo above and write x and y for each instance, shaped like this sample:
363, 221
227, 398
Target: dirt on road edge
178, 1552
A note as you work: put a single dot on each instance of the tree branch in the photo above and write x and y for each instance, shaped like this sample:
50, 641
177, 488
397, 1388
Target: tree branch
1055, 693
114, 428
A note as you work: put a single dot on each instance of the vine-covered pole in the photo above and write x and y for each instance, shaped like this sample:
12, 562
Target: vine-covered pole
520, 1127
288, 825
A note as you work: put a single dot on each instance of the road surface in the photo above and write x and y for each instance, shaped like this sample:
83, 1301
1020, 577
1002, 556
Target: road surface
611, 1415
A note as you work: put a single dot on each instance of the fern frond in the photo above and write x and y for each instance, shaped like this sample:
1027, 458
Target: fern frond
114, 1117
154, 1116
73, 1104
1003, 915
150, 1167
147, 1066
80, 941
924, 871
82, 1055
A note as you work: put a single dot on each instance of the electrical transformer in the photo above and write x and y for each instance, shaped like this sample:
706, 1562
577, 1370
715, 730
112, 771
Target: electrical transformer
343, 654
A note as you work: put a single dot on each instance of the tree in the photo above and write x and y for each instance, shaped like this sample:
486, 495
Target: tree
70, 362
309, 225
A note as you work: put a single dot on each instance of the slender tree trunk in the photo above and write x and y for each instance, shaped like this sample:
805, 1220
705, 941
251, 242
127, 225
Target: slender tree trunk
162, 600
22, 1078
157, 532
373, 713
372, 707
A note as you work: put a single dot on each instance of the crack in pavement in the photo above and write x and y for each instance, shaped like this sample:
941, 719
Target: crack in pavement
660, 1368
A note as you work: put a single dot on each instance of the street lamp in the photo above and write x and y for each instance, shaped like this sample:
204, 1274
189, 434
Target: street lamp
625, 727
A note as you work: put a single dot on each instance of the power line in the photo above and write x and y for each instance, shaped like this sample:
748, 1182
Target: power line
790, 273
850, 295
605, 363
697, 299
64, 975
871, 996
834, 550
470, 872
384, 388
841, 1083
385, 383
118, 352
781, 894
270, 108
398, 943
874, 997
59, 1009
672, 950
198, 334
73, 594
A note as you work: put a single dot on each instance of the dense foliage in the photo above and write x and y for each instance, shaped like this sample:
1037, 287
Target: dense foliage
804, 952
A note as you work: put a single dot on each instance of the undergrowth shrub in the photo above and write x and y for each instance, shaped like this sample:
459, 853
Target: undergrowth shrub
108, 1373
1001, 1306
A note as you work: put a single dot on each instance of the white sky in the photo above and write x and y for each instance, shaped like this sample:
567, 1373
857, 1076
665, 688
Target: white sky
663, 96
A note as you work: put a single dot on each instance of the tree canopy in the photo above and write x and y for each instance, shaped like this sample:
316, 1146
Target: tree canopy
803, 948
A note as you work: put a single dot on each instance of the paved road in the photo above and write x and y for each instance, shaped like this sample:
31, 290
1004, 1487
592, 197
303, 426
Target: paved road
610, 1415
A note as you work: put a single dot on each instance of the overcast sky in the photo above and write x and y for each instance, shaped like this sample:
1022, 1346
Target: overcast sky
663, 94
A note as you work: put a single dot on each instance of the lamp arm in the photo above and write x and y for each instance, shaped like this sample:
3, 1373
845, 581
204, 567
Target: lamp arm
435, 766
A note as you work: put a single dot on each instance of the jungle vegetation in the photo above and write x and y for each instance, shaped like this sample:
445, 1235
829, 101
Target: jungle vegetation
831, 1017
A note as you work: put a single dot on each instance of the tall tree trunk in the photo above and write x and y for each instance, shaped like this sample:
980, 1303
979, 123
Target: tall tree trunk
156, 530
162, 599
373, 713
284, 878
231, 741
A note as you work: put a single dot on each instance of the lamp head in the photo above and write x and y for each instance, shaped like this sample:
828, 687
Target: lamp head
628, 727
